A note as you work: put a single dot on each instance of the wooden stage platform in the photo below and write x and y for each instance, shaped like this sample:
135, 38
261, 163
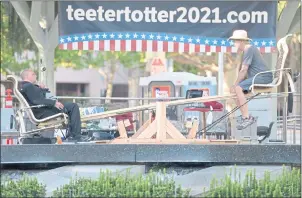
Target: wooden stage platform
150, 153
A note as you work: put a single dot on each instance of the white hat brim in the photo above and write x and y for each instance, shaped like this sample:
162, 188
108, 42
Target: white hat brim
239, 38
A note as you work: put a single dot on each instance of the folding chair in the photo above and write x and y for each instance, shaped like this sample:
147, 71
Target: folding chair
57, 121
277, 73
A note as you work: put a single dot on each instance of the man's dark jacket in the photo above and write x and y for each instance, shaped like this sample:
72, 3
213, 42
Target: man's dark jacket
36, 96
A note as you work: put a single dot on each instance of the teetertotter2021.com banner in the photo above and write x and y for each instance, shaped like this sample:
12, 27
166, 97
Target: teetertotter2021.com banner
167, 26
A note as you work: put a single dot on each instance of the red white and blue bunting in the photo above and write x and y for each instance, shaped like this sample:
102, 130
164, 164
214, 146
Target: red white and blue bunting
155, 42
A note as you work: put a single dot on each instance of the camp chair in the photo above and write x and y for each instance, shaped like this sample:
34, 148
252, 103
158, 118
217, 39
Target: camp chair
57, 121
264, 132
277, 73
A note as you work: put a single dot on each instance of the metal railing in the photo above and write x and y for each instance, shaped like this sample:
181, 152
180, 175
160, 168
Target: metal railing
288, 126
293, 129
99, 101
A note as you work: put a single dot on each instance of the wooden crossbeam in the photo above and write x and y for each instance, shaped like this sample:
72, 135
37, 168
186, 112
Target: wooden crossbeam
161, 120
149, 131
121, 129
172, 131
140, 130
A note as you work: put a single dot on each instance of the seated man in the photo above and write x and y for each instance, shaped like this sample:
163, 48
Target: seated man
35, 95
252, 63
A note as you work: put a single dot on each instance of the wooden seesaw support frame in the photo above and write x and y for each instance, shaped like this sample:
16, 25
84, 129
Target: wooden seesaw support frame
161, 130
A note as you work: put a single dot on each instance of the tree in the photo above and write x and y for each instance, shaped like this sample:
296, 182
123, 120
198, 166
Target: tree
14, 39
179, 67
203, 62
281, 5
69, 58
95, 59
128, 59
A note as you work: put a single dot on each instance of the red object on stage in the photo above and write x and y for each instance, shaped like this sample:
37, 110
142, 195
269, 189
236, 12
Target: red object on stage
214, 104
8, 99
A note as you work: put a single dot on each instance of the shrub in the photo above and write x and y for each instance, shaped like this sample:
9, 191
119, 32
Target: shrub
288, 184
117, 185
24, 187
160, 185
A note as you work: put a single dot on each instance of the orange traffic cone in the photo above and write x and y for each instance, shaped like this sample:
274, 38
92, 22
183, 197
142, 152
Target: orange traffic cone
59, 139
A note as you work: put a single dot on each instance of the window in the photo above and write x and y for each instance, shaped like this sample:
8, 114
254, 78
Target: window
71, 89
120, 90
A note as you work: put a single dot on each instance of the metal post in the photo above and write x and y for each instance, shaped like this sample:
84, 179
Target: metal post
220, 73
143, 103
49, 73
294, 131
285, 120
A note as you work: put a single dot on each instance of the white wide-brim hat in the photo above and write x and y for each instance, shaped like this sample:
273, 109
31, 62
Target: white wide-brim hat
240, 35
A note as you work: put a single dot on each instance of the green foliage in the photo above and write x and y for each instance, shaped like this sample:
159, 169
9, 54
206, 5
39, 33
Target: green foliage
182, 67
110, 184
93, 59
14, 38
285, 185
68, 58
25, 187
126, 185
16, 33
179, 67
281, 6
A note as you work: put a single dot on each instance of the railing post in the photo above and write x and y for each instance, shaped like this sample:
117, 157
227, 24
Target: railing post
285, 119
294, 135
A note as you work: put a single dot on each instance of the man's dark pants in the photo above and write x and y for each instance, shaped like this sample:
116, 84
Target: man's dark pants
73, 112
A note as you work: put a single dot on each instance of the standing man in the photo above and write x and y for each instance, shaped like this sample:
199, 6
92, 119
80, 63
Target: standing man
252, 63
36, 95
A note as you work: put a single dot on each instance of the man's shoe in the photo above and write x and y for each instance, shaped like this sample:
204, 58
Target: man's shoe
76, 138
81, 138
71, 139
245, 123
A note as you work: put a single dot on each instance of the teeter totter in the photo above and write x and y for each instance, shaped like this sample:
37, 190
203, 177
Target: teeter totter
160, 129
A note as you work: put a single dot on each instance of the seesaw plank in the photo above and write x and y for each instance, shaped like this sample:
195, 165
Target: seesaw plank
153, 106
